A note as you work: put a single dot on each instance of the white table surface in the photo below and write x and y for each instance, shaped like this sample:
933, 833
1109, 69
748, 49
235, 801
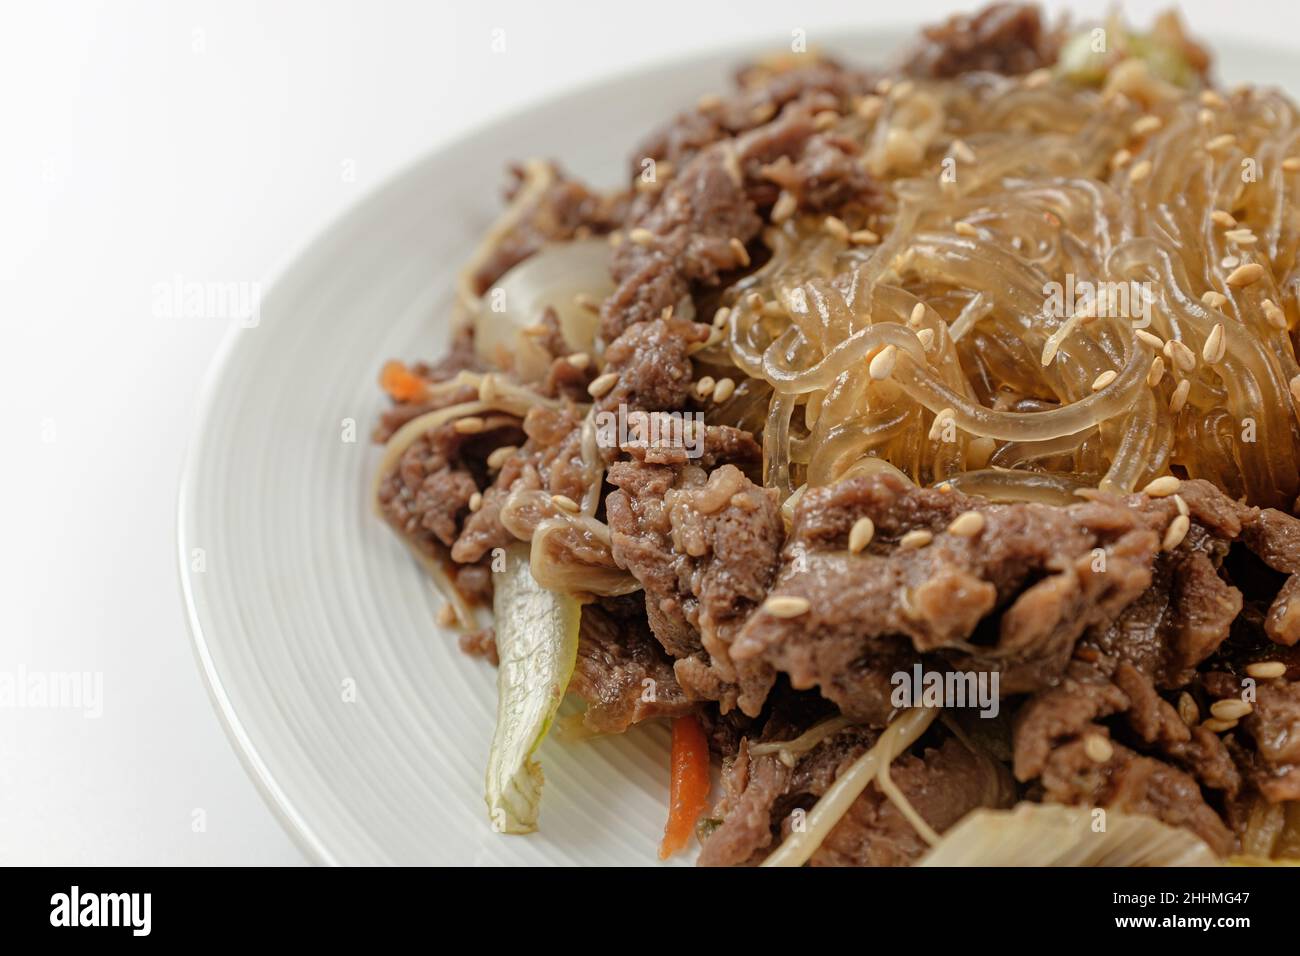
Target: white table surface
209, 140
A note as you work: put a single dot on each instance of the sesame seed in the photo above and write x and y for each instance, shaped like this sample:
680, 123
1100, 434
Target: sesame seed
1098, 748
962, 151
1220, 143
471, 425
1162, 487
1181, 505
1275, 316
884, 85
1266, 670
565, 503
704, 387
500, 456
1245, 274
641, 236
868, 107
1242, 237
723, 390
738, 247
1155, 341
1120, 158
1214, 300
1188, 710
967, 524
1212, 99
1216, 726
1291, 164
1175, 533
937, 427
918, 313
1156, 372
926, 338
1231, 709
476, 501
1205, 118
882, 366
1145, 125
487, 388
1229, 262
579, 360
1224, 219
1104, 379
863, 237
786, 606
602, 384
1215, 345
1179, 398
825, 119
1037, 79
963, 228
860, 534
720, 317
835, 226
1183, 358
784, 207
1140, 172
917, 538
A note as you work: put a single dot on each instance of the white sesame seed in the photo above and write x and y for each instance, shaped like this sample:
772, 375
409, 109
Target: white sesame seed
1175, 533
1036, 79
1231, 709
868, 107
641, 236
738, 247
962, 151
1162, 487
882, 366
1212, 99
1225, 219
1181, 505
1179, 398
1219, 143
723, 390
565, 503
1241, 237
963, 228
926, 338
579, 360
835, 226
476, 501
1155, 341
917, 538
1216, 726
1145, 125
1104, 379
470, 425
1188, 710
786, 606
720, 317
860, 534
967, 524
1098, 748
784, 207
1266, 670
1183, 358
1140, 171
602, 384
704, 387
1275, 316
500, 456
1215, 345
1244, 275
918, 313
1049, 351
1156, 372
1214, 300
863, 237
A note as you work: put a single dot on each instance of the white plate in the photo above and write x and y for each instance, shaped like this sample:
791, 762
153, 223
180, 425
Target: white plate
303, 589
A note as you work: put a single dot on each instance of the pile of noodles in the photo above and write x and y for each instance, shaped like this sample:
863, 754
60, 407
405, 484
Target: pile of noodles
996, 188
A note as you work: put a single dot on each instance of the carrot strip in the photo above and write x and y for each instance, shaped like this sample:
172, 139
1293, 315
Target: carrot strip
690, 784
401, 384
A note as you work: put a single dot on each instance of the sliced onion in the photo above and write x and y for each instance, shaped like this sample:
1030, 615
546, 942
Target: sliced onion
1041, 834
554, 276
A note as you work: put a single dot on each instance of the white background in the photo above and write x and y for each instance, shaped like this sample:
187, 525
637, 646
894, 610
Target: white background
147, 141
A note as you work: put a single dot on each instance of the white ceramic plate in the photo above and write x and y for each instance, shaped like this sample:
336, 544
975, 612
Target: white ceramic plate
302, 590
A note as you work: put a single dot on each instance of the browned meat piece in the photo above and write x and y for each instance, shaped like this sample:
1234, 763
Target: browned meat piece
1006, 38
719, 444
1060, 713
1274, 725
653, 364
1133, 784
559, 208
481, 643
623, 674
551, 458
751, 787
825, 176
1035, 561
705, 549
942, 786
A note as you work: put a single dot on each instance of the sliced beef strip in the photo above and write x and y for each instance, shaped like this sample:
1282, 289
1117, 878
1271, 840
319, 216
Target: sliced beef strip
750, 789
1133, 784
942, 786
653, 364
1035, 562
704, 547
1007, 38
623, 674
461, 357
550, 458
1274, 725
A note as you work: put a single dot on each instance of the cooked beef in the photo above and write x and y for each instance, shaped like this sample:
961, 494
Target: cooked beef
461, 357
551, 458
555, 208
1274, 725
942, 786
1038, 564
1063, 712
704, 547
481, 643
1133, 784
750, 788
622, 674
653, 364
1006, 38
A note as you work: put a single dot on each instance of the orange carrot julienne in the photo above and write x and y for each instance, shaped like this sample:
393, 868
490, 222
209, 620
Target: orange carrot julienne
690, 784
401, 384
